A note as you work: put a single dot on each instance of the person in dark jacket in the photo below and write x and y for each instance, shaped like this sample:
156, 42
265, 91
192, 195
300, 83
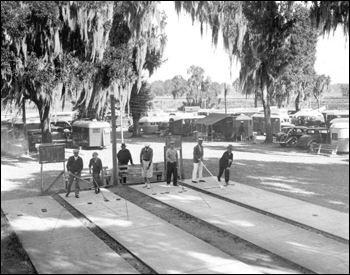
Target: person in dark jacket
225, 163
198, 153
74, 166
96, 165
124, 156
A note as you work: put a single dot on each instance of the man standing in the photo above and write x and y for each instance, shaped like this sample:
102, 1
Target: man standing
172, 162
146, 160
225, 163
74, 167
96, 165
124, 156
198, 153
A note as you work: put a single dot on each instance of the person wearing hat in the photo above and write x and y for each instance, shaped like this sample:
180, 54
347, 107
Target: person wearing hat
96, 165
124, 156
198, 153
146, 160
74, 166
225, 163
172, 162
241, 130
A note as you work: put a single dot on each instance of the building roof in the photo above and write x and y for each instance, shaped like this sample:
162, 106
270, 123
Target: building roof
212, 119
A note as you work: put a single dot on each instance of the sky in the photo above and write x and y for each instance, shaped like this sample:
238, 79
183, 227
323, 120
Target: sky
186, 47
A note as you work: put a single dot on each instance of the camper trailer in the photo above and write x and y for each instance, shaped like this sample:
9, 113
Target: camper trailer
91, 133
150, 124
339, 133
332, 114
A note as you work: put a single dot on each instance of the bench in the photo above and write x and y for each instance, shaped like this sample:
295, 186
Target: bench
327, 148
85, 175
126, 171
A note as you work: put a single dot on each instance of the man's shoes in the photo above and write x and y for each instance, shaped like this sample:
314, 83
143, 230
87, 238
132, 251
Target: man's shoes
194, 181
77, 196
148, 186
67, 195
219, 179
96, 190
176, 185
202, 181
167, 184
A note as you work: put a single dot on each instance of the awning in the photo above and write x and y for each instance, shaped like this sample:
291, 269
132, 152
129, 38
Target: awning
212, 119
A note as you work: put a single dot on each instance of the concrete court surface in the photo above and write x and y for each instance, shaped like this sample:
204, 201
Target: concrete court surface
162, 246
310, 250
57, 242
324, 219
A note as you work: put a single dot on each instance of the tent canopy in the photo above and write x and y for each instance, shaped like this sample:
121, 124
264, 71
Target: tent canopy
212, 119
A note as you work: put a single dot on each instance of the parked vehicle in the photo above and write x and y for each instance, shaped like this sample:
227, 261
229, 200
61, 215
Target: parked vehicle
309, 118
290, 135
66, 125
313, 136
64, 116
91, 133
278, 121
35, 137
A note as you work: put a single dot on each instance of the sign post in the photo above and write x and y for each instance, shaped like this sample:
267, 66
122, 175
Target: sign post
114, 143
52, 153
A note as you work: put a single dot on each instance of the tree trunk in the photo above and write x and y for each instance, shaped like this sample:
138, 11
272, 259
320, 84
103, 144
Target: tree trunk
45, 125
136, 126
44, 113
297, 103
267, 112
256, 98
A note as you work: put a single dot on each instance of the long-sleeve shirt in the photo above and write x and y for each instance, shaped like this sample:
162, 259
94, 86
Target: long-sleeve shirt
171, 155
96, 165
198, 153
225, 159
75, 165
124, 156
146, 154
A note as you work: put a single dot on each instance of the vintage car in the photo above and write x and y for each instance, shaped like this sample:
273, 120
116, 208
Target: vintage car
290, 135
313, 136
35, 137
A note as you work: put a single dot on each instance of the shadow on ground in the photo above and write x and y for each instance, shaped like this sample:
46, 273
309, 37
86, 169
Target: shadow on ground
313, 183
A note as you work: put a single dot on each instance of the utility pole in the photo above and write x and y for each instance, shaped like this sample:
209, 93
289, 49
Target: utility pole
121, 124
114, 143
24, 118
225, 94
